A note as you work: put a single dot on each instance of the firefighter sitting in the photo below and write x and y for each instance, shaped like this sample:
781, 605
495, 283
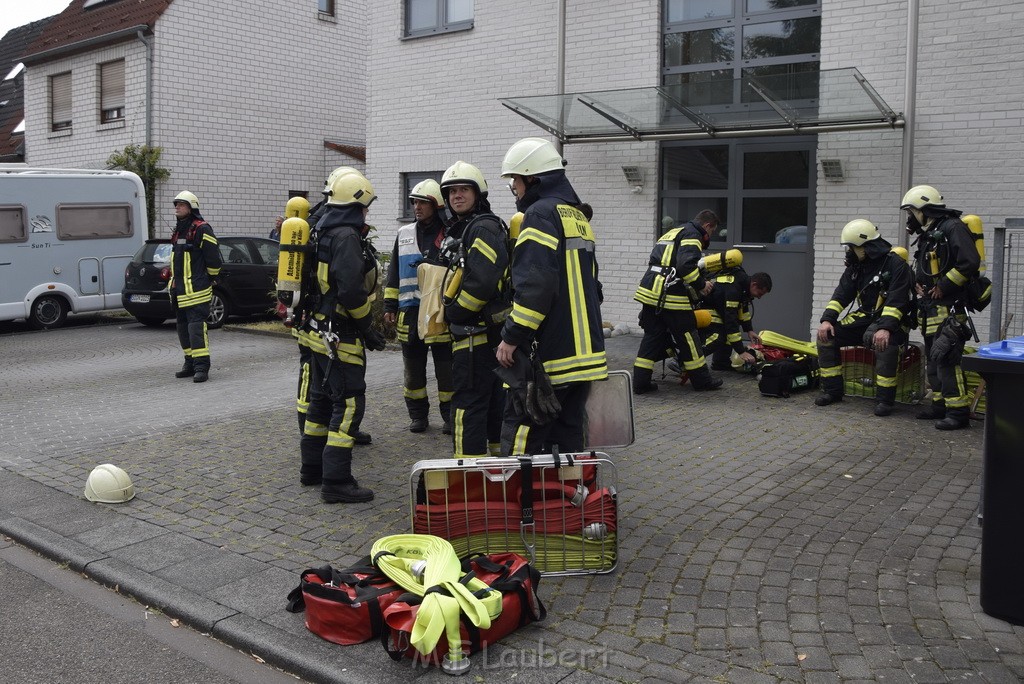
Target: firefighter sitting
879, 281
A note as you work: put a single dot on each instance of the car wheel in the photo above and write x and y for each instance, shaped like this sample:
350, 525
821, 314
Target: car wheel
218, 311
150, 322
48, 312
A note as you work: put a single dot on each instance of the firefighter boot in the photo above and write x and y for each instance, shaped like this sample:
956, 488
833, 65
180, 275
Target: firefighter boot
886, 397
833, 391
202, 370
956, 419
642, 383
446, 415
936, 411
338, 484
419, 425
187, 370
311, 449
702, 380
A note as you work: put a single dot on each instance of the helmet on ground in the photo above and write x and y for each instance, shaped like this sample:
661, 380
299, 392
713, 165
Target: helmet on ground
109, 484
188, 198
297, 207
531, 156
333, 175
428, 191
463, 173
859, 231
921, 196
351, 188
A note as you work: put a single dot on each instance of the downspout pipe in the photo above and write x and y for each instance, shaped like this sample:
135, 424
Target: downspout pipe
910, 105
560, 68
149, 85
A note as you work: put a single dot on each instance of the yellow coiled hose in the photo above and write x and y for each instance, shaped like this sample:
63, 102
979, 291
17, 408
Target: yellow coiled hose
438, 614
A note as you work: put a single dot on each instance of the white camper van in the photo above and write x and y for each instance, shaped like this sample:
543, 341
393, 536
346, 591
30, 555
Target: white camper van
66, 237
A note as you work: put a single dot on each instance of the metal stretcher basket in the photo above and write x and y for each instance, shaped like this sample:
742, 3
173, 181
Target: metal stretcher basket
859, 379
558, 510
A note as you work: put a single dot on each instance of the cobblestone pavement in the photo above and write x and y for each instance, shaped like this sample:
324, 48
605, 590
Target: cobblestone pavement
762, 539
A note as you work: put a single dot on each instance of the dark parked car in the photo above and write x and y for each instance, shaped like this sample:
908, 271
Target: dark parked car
246, 284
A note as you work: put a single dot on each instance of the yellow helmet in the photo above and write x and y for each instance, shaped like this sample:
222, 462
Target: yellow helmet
463, 173
340, 171
188, 198
351, 188
921, 196
531, 156
428, 191
297, 207
859, 231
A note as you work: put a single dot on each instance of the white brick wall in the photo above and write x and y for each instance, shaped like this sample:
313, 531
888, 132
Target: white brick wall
244, 95
435, 100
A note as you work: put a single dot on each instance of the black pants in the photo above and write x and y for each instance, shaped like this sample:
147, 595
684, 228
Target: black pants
855, 334
337, 399
717, 344
414, 359
192, 334
666, 332
568, 431
479, 400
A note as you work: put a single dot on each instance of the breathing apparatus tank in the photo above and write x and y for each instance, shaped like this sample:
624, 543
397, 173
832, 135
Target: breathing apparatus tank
703, 317
713, 263
901, 252
294, 239
974, 224
515, 224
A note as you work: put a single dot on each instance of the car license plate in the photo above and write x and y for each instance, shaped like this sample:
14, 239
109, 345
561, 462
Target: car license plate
139, 299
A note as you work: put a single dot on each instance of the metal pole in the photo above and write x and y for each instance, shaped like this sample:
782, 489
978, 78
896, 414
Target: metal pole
910, 104
560, 69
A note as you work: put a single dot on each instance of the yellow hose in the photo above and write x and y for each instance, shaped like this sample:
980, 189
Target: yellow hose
438, 613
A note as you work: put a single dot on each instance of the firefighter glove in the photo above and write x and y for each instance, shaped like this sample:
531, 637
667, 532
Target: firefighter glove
542, 404
374, 341
517, 377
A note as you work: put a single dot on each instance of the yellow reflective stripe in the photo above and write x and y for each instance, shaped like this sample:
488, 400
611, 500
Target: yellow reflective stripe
956, 277
691, 276
834, 306
445, 397
726, 279
302, 399
646, 364
207, 237
732, 305
538, 236
200, 297
351, 353
526, 317
414, 393
469, 302
485, 249
361, 311
390, 293
892, 311
831, 371
585, 375
885, 381
577, 304
187, 261
691, 242
477, 340
519, 441
733, 337
556, 365
213, 271
314, 429
459, 430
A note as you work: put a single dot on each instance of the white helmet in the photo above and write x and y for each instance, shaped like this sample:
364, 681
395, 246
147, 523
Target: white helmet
921, 196
463, 173
859, 231
109, 484
351, 188
428, 191
531, 156
188, 198
333, 175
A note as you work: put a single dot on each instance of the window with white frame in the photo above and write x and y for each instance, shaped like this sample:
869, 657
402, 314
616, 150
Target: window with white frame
112, 91
60, 102
428, 17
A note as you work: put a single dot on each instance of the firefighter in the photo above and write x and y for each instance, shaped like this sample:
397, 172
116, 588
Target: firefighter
732, 315
945, 261
556, 311
417, 243
341, 318
476, 244
195, 264
668, 292
879, 281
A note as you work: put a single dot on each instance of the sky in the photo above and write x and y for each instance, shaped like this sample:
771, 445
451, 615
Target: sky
15, 13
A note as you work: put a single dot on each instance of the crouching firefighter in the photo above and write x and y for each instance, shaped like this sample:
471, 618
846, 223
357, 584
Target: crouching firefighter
879, 281
340, 318
476, 303
195, 263
945, 263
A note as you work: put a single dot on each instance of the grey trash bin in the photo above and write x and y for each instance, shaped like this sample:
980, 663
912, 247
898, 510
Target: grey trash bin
1001, 364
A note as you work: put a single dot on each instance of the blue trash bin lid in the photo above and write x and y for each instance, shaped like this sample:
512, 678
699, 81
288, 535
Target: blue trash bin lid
1007, 350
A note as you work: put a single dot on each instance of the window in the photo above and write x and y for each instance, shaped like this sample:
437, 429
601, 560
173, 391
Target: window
409, 181
112, 91
427, 17
12, 224
269, 251
82, 221
232, 252
325, 7
60, 102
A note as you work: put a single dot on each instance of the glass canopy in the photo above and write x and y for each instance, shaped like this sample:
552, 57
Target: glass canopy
806, 102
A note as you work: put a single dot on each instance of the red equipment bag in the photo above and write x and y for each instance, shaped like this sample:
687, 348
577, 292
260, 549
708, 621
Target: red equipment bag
344, 606
509, 573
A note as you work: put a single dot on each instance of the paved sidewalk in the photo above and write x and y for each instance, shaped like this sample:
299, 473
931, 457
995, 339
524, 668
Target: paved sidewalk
762, 539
